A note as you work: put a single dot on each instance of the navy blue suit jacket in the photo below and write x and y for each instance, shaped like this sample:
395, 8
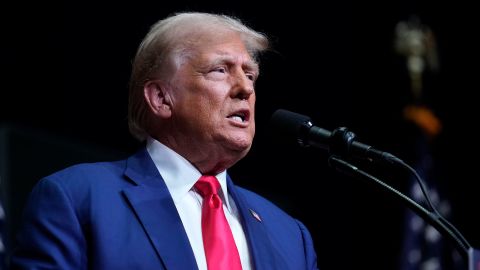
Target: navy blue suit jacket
120, 215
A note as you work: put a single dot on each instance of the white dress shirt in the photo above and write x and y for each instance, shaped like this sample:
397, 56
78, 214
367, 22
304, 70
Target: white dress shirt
180, 176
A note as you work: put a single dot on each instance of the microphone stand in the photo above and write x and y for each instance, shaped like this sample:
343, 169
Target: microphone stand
434, 219
341, 143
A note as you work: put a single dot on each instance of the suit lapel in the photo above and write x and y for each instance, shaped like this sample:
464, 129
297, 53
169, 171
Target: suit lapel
154, 207
264, 253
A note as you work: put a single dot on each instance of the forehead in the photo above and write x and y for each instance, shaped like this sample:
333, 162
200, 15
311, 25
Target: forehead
226, 47
213, 41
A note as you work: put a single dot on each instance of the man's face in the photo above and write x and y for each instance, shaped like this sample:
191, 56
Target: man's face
213, 97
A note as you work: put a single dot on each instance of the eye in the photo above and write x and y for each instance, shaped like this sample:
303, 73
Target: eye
251, 76
219, 69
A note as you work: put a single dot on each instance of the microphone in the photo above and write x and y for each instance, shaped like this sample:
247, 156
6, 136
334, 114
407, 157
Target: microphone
340, 142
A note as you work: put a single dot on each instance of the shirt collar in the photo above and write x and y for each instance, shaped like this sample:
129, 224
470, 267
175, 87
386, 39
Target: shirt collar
178, 173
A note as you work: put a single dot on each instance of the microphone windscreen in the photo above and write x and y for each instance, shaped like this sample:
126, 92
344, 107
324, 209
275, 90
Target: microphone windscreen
288, 126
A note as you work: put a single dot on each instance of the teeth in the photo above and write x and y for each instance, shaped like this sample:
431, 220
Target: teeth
237, 118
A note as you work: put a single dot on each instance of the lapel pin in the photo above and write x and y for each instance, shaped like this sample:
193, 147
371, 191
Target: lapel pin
255, 215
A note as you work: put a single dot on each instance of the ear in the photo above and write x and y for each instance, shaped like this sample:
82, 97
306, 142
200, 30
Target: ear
156, 97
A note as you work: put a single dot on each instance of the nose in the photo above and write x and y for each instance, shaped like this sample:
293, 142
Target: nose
243, 87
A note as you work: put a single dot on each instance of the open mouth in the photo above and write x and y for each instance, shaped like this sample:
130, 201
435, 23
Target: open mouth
240, 116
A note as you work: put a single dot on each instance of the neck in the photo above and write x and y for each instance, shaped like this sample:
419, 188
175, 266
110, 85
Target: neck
207, 160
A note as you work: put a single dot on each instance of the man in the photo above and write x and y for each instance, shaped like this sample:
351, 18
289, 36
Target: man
192, 100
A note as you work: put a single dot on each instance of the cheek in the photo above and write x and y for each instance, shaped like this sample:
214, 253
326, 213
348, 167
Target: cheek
252, 110
252, 100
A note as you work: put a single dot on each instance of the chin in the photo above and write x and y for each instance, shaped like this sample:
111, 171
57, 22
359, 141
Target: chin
236, 144
242, 143
240, 147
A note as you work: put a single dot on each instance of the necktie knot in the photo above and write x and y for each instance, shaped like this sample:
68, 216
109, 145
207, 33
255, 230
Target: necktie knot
207, 185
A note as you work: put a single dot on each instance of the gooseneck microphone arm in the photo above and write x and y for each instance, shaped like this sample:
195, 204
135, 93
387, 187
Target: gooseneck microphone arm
341, 143
433, 209
432, 217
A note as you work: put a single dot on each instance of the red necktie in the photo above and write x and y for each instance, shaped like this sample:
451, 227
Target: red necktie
220, 249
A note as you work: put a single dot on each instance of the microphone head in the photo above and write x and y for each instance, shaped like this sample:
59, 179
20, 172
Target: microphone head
289, 126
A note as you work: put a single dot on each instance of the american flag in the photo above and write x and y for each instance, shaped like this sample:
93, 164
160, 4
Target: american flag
423, 246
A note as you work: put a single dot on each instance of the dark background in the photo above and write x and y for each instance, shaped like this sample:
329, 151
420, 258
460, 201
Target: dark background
65, 71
